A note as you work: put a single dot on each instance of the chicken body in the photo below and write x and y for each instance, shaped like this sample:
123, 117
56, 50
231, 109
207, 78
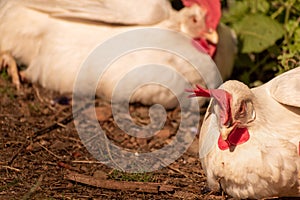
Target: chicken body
53, 42
268, 163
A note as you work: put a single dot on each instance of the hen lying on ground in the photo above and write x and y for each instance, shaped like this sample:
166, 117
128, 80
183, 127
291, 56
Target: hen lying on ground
53, 38
249, 140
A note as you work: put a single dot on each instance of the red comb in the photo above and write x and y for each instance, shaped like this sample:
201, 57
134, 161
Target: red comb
222, 96
213, 8
199, 92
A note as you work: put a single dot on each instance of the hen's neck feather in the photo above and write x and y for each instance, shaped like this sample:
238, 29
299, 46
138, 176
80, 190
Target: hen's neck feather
281, 120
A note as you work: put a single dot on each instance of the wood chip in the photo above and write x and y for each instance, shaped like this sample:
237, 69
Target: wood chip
120, 185
163, 134
102, 113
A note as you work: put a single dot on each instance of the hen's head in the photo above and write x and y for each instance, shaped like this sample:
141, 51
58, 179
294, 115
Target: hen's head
200, 19
235, 111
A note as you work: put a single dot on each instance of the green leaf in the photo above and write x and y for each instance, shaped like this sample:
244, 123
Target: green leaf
297, 35
263, 6
258, 32
237, 11
259, 6
291, 26
297, 7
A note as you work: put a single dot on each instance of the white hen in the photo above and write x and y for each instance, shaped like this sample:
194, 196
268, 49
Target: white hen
53, 38
249, 140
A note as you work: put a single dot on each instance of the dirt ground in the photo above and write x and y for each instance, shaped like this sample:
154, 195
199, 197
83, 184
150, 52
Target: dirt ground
42, 156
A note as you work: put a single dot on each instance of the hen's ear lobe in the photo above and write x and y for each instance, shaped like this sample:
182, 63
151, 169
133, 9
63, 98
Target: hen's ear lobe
251, 112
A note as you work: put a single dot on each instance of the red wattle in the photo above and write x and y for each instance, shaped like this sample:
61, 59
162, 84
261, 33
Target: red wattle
236, 137
222, 144
203, 46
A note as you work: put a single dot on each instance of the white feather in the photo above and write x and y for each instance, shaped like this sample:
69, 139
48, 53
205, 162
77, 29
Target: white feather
268, 164
53, 38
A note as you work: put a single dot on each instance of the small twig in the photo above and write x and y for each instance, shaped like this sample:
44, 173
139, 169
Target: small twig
37, 92
120, 185
53, 126
50, 163
17, 153
11, 168
47, 129
110, 156
53, 154
61, 125
209, 194
67, 166
177, 170
58, 111
181, 172
34, 188
70, 138
86, 162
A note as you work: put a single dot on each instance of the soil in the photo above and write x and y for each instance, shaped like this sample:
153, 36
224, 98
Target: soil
40, 146
43, 156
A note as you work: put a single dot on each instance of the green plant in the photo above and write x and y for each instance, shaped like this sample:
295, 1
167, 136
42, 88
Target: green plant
269, 37
4, 75
34, 108
139, 177
8, 91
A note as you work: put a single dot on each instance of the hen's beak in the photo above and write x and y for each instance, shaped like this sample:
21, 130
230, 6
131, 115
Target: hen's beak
212, 36
225, 131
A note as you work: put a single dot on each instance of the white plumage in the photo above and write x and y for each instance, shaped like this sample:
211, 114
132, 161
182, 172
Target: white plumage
53, 38
266, 163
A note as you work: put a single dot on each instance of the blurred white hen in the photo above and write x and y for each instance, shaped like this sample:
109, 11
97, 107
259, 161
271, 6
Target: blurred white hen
53, 38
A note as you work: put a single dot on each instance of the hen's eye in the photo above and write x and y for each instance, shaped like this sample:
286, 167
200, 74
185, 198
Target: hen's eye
228, 123
242, 108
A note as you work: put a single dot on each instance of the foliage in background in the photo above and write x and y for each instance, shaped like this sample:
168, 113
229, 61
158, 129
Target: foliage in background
269, 37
